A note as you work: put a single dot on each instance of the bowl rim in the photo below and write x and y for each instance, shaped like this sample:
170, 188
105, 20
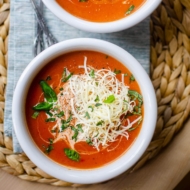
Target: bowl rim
103, 27
116, 167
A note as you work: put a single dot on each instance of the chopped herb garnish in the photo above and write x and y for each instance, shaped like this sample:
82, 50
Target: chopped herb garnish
137, 96
48, 78
75, 133
83, 0
51, 119
100, 123
67, 78
35, 114
131, 8
132, 78
49, 149
87, 115
72, 154
43, 106
92, 73
69, 119
96, 83
61, 89
60, 114
50, 141
54, 130
49, 113
98, 104
117, 71
109, 99
92, 109
97, 99
79, 127
125, 75
89, 141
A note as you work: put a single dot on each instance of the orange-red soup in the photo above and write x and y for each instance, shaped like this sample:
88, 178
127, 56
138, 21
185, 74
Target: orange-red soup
39, 128
100, 10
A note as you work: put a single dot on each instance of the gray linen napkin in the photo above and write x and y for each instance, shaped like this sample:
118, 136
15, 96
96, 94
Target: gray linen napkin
135, 40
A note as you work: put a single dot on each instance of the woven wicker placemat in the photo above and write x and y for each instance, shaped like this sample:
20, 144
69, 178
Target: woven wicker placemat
170, 74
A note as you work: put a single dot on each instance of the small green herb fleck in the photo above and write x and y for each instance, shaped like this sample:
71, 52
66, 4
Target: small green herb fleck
51, 119
72, 154
60, 114
131, 8
50, 141
48, 78
117, 71
97, 99
35, 114
109, 99
65, 78
49, 113
53, 130
87, 115
98, 104
61, 89
92, 109
125, 75
100, 123
49, 149
132, 78
89, 141
79, 127
75, 133
83, 0
92, 73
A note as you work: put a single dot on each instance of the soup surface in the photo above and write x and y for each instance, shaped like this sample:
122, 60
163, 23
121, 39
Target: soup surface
100, 10
78, 121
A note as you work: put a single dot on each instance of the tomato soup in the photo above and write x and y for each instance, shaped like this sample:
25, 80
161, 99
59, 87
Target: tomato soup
69, 125
100, 10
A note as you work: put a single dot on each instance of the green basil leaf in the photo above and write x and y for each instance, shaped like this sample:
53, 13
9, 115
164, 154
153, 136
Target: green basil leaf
49, 93
109, 99
43, 106
72, 154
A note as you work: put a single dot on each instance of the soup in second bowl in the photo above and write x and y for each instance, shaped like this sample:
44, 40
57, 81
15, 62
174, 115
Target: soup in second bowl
100, 10
84, 109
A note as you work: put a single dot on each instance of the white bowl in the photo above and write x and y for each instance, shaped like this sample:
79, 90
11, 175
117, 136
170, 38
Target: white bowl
116, 167
103, 27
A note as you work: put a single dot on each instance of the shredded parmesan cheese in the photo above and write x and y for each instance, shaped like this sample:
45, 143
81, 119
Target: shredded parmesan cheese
85, 97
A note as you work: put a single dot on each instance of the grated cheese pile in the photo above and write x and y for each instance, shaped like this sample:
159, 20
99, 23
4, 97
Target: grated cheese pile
97, 101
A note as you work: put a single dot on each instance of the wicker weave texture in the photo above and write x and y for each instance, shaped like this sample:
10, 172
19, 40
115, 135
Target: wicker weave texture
170, 75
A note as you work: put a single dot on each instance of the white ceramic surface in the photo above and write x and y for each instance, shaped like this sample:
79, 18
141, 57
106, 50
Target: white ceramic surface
105, 27
110, 170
